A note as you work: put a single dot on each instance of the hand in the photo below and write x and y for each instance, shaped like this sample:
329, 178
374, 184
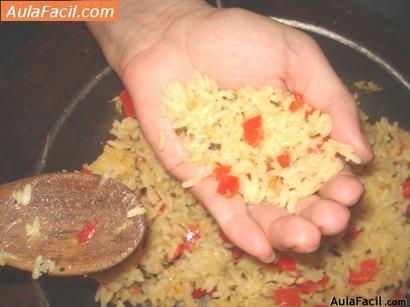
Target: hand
239, 48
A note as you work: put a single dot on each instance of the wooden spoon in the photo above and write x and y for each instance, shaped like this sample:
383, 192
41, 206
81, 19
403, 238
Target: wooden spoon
83, 219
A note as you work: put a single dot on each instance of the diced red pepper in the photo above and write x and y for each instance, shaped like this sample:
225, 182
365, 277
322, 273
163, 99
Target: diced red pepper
406, 188
87, 232
308, 287
317, 149
192, 235
85, 171
178, 251
284, 263
221, 171
324, 281
237, 253
162, 207
198, 293
297, 102
252, 130
223, 236
284, 159
368, 270
127, 105
308, 113
228, 186
352, 233
287, 297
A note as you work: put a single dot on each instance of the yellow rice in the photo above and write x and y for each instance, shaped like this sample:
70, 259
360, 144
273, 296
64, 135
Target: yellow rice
152, 275
210, 115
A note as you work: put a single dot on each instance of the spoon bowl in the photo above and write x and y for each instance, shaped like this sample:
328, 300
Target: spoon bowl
78, 222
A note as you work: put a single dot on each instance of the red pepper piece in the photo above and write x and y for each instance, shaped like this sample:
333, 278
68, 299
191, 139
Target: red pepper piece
287, 297
352, 233
221, 171
284, 263
252, 130
324, 281
192, 235
368, 270
237, 253
308, 287
406, 188
308, 113
85, 171
127, 105
178, 251
297, 102
198, 293
284, 159
162, 208
87, 232
228, 186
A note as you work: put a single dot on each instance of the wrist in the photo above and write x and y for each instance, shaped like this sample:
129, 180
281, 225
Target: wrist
140, 24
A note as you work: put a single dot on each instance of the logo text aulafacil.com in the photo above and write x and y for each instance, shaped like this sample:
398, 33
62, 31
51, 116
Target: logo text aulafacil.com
59, 10
362, 301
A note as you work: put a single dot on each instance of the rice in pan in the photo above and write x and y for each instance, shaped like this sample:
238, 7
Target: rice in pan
186, 259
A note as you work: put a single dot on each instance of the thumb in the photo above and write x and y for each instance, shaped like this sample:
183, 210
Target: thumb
322, 89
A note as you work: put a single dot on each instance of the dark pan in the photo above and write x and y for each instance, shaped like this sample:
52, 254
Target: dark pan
77, 136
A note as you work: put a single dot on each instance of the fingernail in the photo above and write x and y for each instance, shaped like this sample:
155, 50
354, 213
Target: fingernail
269, 259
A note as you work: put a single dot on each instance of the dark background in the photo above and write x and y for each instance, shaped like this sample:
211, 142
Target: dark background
14, 35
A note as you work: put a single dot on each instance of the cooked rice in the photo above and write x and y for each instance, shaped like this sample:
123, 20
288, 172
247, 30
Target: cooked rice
4, 256
42, 266
33, 230
153, 275
368, 86
23, 196
211, 115
135, 211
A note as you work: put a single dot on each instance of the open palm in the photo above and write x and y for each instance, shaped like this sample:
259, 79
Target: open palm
238, 48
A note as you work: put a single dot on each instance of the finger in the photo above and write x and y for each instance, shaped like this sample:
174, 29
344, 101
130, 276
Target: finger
345, 188
330, 217
233, 217
145, 83
310, 73
285, 231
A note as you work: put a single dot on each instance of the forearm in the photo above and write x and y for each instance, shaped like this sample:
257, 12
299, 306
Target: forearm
140, 24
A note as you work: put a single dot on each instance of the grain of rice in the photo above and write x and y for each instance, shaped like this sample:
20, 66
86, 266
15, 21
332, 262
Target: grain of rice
135, 211
33, 230
23, 196
42, 266
368, 86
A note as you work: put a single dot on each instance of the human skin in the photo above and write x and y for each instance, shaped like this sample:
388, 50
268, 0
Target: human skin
155, 41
